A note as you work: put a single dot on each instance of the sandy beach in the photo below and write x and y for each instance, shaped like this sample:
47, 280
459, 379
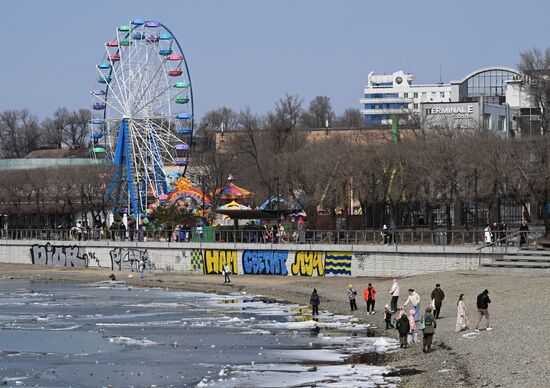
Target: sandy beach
513, 354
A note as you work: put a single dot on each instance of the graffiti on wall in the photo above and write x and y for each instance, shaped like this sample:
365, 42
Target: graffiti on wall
58, 255
306, 263
196, 259
361, 259
215, 259
265, 262
124, 259
338, 263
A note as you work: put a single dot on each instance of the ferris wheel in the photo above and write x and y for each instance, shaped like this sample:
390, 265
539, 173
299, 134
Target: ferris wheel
142, 113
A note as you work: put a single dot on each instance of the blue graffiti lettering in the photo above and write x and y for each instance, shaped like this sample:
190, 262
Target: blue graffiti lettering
265, 262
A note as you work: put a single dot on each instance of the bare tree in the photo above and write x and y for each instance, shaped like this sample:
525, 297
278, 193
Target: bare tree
319, 114
76, 130
351, 118
54, 128
19, 133
535, 64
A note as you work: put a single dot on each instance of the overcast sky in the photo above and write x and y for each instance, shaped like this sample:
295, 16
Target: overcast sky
252, 52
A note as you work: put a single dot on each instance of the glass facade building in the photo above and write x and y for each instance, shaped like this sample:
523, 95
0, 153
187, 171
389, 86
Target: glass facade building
487, 83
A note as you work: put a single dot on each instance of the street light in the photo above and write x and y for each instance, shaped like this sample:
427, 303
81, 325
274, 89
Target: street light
278, 208
476, 199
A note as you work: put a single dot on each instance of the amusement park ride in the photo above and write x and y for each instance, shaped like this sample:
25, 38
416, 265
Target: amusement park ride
142, 120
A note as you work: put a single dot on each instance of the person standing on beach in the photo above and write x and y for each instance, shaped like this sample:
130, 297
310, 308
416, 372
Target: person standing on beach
368, 295
404, 328
142, 269
352, 293
314, 300
427, 326
394, 292
437, 296
461, 315
387, 316
414, 300
413, 328
226, 271
483, 309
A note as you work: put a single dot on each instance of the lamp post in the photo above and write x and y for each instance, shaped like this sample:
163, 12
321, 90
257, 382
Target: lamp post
278, 207
373, 201
202, 205
475, 195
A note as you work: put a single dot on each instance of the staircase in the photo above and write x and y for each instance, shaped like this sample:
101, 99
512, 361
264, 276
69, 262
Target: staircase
533, 261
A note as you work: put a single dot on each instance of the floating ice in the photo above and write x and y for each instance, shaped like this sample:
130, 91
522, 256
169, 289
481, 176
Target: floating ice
131, 341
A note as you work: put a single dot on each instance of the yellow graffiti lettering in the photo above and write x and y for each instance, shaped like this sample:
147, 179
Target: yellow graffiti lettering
215, 259
305, 263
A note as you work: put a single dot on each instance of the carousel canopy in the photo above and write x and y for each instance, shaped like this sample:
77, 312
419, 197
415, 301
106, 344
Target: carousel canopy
232, 192
184, 190
234, 206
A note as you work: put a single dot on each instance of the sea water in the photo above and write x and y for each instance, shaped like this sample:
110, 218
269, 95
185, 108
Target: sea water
100, 335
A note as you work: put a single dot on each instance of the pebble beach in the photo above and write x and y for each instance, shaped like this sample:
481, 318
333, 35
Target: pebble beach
515, 353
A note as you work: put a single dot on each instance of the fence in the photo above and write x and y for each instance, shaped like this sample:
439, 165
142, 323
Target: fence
354, 237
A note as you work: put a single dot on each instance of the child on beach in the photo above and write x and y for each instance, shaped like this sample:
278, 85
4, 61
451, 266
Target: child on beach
403, 327
387, 316
413, 331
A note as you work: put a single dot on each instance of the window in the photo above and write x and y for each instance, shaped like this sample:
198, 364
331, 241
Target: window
415, 95
406, 95
415, 106
501, 123
487, 121
423, 95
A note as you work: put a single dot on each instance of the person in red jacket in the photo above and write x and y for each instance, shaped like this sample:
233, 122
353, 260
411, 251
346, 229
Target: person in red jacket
368, 295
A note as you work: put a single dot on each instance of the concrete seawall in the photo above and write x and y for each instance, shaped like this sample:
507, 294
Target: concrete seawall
248, 259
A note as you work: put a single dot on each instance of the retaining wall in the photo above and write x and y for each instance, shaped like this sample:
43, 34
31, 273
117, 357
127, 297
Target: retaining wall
249, 259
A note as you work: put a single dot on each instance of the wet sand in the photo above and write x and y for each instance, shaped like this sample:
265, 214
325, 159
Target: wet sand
513, 354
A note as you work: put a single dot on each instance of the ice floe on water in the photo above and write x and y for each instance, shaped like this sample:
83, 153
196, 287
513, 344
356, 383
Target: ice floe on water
269, 375
131, 341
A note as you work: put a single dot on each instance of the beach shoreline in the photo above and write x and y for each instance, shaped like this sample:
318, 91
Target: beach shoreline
501, 357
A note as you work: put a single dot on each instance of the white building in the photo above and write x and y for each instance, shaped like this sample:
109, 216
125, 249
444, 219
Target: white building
386, 95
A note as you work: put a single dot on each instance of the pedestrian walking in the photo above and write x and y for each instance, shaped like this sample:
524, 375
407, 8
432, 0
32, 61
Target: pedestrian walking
403, 328
369, 295
314, 300
523, 232
483, 301
226, 271
96, 232
387, 316
394, 292
437, 296
414, 300
487, 234
427, 326
413, 329
352, 293
461, 315
385, 234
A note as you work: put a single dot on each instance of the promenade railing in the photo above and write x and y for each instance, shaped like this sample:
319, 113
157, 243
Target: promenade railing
259, 236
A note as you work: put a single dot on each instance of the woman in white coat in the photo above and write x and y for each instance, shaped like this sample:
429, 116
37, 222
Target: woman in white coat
461, 315
487, 235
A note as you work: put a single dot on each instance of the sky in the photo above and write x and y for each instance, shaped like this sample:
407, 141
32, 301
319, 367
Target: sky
252, 52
